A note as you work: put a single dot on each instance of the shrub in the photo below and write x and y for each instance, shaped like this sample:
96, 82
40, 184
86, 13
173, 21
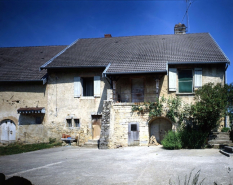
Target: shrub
225, 129
172, 140
192, 138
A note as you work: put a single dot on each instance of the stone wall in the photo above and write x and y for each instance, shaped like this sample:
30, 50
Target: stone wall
62, 104
20, 95
105, 136
115, 125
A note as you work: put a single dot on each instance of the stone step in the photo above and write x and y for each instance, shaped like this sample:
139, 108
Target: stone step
219, 136
227, 142
220, 133
91, 144
218, 146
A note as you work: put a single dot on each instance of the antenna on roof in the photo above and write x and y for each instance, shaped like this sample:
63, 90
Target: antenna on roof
188, 4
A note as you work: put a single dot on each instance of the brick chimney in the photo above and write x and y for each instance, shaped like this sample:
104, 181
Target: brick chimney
107, 35
180, 29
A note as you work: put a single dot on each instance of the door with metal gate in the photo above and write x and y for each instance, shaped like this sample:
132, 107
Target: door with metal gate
133, 134
7, 131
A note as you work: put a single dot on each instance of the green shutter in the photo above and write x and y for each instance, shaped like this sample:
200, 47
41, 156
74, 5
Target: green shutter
185, 81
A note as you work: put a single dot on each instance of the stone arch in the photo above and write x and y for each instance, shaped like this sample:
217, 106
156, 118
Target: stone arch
7, 131
159, 126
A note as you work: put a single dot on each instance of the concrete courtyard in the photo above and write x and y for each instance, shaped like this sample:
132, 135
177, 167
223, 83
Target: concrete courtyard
132, 165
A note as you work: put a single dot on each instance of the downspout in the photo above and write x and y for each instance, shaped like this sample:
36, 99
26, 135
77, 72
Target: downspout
225, 82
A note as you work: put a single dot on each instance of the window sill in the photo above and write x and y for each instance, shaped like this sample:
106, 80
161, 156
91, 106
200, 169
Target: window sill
180, 94
87, 97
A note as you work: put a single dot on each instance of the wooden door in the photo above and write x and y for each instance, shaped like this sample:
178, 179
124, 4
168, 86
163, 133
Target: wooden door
96, 127
159, 128
133, 134
137, 90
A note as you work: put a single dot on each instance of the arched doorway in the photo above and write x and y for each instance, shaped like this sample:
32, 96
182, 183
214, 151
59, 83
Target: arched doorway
159, 127
7, 131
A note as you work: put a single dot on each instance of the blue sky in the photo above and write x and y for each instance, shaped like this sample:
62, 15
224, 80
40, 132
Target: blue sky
60, 22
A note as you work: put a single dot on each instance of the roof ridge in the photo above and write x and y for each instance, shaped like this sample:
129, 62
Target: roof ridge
31, 46
143, 36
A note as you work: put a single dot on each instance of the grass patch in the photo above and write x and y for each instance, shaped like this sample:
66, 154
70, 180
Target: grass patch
21, 148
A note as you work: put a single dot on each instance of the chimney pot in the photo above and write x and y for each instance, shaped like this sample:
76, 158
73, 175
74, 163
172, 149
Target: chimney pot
107, 35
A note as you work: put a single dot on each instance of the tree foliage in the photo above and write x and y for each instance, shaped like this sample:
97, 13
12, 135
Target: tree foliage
212, 102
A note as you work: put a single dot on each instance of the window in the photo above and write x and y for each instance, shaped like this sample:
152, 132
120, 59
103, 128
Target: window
86, 86
133, 127
185, 78
88, 89
69, 122
76, 123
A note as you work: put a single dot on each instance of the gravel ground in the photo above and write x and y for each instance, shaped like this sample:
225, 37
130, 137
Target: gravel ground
131, 165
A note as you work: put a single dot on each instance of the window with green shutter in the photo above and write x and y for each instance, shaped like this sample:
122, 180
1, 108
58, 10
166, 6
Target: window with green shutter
185, 78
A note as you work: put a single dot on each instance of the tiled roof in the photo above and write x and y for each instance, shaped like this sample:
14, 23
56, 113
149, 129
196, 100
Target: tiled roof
23, 63
140, 53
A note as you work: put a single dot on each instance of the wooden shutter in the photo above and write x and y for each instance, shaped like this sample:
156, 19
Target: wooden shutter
172, 79
198, 77
77, 87
96, 86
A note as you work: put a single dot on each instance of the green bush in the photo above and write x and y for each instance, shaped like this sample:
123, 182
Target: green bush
17, 148
225, 129
172, 140
192, 138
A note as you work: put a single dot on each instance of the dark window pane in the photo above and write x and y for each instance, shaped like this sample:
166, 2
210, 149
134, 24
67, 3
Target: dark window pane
38, 120
88, 84
133, 127
76, 122
185, 75
185, 86
185, 81
69, 123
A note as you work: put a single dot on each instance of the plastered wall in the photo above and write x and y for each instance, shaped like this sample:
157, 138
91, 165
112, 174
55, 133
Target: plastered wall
20, 95
62, 104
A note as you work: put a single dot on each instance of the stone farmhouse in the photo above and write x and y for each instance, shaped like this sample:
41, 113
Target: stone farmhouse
87, 89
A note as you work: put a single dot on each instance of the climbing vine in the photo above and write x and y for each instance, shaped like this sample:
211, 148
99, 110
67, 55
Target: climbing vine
171, 108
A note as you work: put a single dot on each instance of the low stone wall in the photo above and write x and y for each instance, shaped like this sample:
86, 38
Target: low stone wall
115, 121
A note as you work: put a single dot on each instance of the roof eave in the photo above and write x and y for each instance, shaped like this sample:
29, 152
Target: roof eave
67, 67
41, 80
212, 62
137, 72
